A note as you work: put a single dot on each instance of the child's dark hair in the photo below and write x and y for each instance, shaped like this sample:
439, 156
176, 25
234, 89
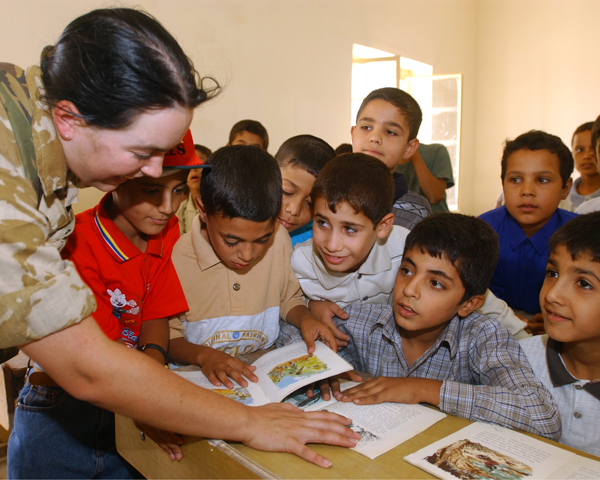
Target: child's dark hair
202, 149
343, 148
251, 126
538, 140
243, 181
595, 133
469, 243
584, 127
305, 151
115, 63
401, 100
581, 236
361, 181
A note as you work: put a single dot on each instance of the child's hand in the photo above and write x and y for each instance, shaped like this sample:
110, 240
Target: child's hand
312, 330
399, 390
536, 325
169, 442
219, 367
324, 311
333, 384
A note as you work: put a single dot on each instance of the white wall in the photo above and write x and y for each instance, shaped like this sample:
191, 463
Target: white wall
537, 68
286, 64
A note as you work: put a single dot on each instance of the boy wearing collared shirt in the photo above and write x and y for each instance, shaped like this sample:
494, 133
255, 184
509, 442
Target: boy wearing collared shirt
567, 359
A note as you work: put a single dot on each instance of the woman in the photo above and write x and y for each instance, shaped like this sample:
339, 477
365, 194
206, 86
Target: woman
107, 102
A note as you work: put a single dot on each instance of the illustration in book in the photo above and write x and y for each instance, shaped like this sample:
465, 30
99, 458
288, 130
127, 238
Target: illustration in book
290, 372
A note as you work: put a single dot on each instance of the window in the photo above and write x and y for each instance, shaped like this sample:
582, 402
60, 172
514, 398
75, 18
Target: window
438, 95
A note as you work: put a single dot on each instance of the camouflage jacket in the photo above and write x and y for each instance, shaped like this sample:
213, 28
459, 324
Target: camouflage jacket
39, 292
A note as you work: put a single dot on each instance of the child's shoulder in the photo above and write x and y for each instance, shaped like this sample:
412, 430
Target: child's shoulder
496, 216
564, 215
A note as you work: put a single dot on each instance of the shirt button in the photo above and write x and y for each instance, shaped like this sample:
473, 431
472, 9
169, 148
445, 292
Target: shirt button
577, 415
578, 387
359, 276
365, 298
236, 286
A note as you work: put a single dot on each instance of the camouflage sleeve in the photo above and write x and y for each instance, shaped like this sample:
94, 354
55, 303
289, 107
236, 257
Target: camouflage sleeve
39, 292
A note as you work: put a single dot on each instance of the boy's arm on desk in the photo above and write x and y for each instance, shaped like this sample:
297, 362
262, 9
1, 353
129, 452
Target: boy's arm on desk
93, 368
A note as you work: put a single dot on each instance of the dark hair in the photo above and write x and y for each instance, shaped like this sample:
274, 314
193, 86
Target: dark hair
362, 181
469, 243
538, 140
343, 148
401, 100
243, 181
581, 236
595, 134
205, 150
584, 127
116, 63
251, 126
305, 151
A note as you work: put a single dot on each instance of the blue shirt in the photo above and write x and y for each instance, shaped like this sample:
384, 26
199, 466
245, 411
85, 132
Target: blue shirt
521, 269
302, 234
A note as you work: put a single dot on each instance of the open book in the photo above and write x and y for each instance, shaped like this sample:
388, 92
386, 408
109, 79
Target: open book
484, 450
284, 372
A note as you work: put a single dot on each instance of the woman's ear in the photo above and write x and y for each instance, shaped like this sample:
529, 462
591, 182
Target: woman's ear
66, 118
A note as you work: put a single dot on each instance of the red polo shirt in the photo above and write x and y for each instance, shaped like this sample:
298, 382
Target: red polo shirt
130, 286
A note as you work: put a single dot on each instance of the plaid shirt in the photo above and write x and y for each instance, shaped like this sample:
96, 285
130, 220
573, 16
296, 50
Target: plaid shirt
485, 375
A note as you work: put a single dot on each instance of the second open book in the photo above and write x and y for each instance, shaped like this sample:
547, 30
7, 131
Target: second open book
284, 372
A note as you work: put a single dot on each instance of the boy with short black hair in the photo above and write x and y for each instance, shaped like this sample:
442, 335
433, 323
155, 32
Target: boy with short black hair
430, 346
300, 159
187, 210
235, 271
567, 359
249, 132
593, 205
536, 176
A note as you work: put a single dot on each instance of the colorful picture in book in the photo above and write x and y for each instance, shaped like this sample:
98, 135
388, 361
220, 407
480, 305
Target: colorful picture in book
469, 460
240, 395
300, 399
291, 371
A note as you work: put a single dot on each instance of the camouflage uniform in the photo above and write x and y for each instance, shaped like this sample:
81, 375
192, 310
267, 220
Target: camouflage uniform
39, 292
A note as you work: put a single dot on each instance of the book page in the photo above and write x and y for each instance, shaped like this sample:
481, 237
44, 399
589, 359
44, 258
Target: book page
385, 425
252, 395
484, 450
580, 468
286, 369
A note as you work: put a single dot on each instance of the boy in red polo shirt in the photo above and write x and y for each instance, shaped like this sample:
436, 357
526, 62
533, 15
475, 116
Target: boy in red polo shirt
122, 251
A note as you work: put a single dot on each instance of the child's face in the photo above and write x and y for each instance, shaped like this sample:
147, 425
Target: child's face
296, 207
583, 153
238, 242
195, 175
570, 297
533, 188
145, 205
247, 138
427, 294
344, 239
382, 132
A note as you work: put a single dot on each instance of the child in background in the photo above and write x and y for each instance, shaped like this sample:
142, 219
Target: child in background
593, 205
587, 186
187, 210
122, 251
235, 271
567, 359
300, 159
430, 346
536, 176
249, 132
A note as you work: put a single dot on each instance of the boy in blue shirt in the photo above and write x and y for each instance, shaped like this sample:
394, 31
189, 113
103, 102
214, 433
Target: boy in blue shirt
536, 176
567, 359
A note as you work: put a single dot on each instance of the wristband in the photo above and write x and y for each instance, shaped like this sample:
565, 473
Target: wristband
158, 348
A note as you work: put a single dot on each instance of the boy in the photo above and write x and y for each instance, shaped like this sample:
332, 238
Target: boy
355, 252
567, 359
187, 210
300, 159
587, 186
430, 346
249, 132
122, 250
235, 270
387, 125
536, 176
594, 204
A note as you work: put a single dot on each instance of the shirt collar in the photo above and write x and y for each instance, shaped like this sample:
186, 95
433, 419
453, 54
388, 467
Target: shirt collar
516, 236
559, 375
118, 244
377, 261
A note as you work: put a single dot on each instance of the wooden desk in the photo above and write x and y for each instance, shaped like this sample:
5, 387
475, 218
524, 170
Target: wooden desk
218, 459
